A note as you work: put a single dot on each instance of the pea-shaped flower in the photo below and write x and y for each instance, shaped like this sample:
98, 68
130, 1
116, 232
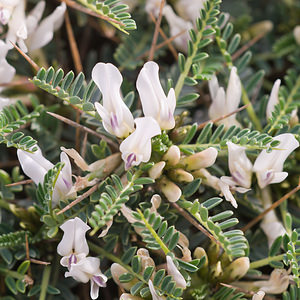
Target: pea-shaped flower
154, 101
137, 147
269, 166
73, 246
116, 116
35, 166
225, 103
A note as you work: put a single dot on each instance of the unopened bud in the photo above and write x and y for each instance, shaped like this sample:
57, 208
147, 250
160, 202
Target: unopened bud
261, 28
116, 271
199, 253
237, 269
170, 190
179, 175
203, 159
216, 270
172, 156
146, 260
297, 34
213, 253
156, 171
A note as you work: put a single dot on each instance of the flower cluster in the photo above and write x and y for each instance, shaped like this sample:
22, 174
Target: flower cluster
74, 249
117, 118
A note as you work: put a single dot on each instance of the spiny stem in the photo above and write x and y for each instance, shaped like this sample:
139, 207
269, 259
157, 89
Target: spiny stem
265, 261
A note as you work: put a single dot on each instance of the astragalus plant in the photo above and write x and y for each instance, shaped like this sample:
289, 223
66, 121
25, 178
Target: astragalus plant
165, 166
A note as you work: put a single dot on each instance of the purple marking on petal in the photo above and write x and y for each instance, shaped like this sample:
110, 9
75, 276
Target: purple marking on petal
130, 159
114, 122
72, 259
99, 281
238, 177
67, 183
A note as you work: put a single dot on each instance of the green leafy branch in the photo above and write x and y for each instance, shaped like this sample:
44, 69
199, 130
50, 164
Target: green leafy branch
113, 11
114, 197
73, 91
13, 118
251, 139
199, 39
233, 242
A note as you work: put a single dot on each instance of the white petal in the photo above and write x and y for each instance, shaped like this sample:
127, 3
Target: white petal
173, 271
117, 118
296, 33
273, 100
64, 181
44, 32
233, 92
156, 170
269, 165
239, 165
94, 293
31, 166
153, 291
218, 106
137, 147
227, 193
74, 238
213, 86
258, 296
7, 72
154, 101
35, 16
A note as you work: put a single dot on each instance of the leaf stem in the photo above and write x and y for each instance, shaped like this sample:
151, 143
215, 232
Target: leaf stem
265, 261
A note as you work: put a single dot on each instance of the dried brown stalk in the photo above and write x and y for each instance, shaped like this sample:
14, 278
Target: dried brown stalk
20, 182
83, 128
273, 206
156, 31
79, 199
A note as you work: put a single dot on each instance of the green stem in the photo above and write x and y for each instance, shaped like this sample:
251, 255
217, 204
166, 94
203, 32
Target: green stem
154, 234
4, 204
189, 61
288, 101
13, 274
265, 261
45, 282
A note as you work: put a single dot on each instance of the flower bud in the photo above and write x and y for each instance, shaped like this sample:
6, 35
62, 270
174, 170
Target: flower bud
297, 34
258, 296
146, 260
156, 171
237, 269
172, 156
126, 296
116, 271
216, 270
203, 159
199, 253
170, 190
179, 175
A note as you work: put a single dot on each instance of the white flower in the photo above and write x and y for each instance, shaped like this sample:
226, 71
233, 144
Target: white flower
240, 167
137, 147
153, 291
297, 34
88, 269
73, 246
225, 103
35, 166
154, 101
269, 166
7, 72
26, 31
189, 10
40, 34
177, 25
152, 6
272, 227
116, 116
225, 189
273, 100
173, 271
277, 284
6, 9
